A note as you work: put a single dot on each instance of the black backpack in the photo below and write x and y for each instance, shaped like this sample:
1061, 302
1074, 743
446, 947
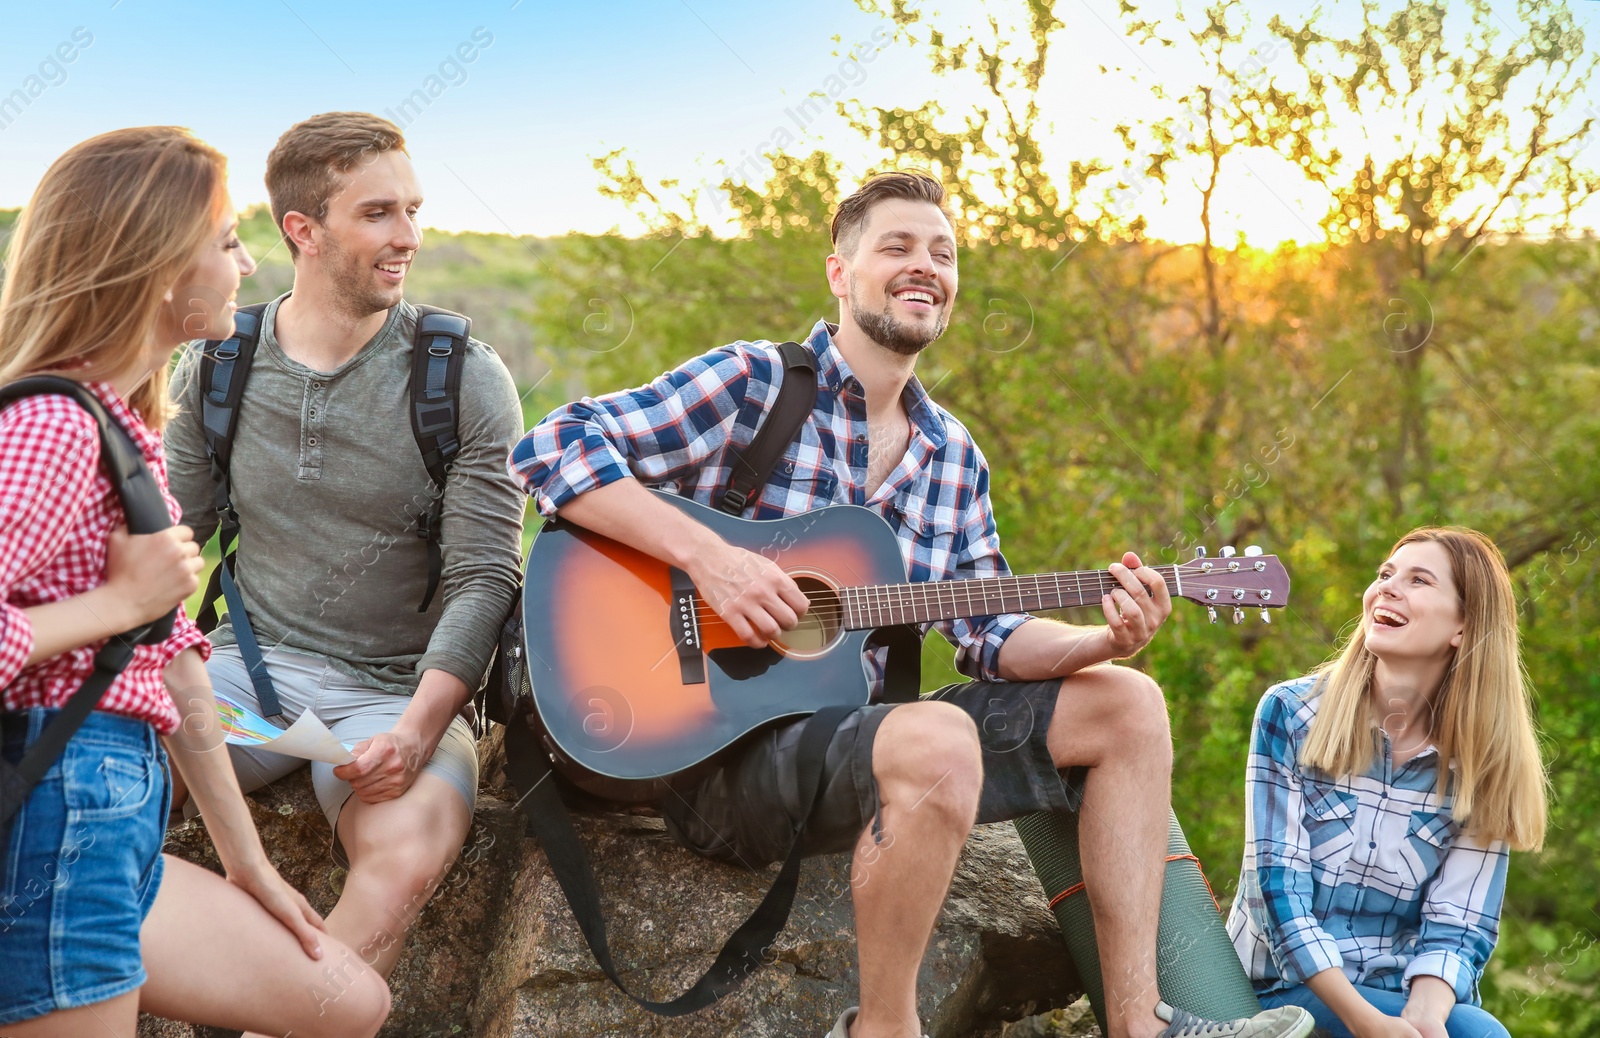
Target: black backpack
437, 352
146, 512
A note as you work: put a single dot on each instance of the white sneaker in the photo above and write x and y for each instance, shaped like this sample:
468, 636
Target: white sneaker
1285, 1022
841, 1027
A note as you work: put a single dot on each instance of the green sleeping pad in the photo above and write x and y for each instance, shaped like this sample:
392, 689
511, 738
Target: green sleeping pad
1196, 967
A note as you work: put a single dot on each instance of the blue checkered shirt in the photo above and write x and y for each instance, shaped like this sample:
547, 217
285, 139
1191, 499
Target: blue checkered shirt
678, 432
1365, 873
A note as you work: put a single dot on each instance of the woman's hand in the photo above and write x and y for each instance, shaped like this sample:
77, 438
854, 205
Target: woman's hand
150, 573
1429, 1005
1380, 1025
286, 904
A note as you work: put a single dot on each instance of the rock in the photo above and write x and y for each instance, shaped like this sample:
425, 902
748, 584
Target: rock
497, 954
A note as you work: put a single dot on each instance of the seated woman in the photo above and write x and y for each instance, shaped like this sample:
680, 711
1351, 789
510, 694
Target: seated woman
1383, 794
126, 250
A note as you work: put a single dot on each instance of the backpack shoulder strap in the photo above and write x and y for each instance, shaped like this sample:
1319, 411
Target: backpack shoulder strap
436, 356
146, 512
797, 395
224, 369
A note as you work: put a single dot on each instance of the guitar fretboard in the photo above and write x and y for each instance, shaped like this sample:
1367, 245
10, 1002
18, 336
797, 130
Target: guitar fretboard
883, 605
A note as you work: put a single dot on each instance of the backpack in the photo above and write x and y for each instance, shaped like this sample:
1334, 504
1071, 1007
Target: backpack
544, 803
146, 512
437, 352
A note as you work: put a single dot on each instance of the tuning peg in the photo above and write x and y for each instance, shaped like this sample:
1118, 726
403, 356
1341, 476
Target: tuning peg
1238, 615
1228, 552
1199, 551
1266, 617
1211, 611
1252, 551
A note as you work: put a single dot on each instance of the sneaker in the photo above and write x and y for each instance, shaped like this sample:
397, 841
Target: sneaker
1285, 1022
841, 1028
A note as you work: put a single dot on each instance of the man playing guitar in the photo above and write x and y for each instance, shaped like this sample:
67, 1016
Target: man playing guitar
903, 783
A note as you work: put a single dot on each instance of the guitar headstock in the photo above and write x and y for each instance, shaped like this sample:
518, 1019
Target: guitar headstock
1251, 580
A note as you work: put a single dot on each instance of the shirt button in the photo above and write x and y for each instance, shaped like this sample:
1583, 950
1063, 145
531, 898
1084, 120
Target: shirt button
861, 439
1371, 844
312, 441
313, 412
316, 385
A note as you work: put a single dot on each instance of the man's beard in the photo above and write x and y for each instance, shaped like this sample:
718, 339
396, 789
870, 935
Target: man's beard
888, 331
353, 288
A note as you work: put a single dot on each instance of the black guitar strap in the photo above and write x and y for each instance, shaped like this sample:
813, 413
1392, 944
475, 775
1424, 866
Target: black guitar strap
797, 395
529, 770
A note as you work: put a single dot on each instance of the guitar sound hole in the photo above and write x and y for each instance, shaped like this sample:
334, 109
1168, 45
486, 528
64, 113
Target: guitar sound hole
820, 628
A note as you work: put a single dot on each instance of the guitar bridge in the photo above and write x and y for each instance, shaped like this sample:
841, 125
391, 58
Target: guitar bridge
685, 626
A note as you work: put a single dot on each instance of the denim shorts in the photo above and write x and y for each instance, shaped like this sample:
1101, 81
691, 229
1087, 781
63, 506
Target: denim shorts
746, 808
82, 866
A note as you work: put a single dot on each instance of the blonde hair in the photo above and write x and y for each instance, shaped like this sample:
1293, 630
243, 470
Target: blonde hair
1482, 711
114, 224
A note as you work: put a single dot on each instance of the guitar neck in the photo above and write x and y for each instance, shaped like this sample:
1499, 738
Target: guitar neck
883, 605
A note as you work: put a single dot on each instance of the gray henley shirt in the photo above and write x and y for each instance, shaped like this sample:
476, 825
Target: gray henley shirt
328, 482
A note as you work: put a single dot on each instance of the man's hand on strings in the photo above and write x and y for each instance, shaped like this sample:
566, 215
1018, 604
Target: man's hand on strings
1136, 609
749, 591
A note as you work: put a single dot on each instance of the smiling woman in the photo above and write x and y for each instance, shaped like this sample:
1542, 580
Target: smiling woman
1407, 768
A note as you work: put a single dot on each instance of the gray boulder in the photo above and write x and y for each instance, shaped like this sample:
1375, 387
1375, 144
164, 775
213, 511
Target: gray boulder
497, 954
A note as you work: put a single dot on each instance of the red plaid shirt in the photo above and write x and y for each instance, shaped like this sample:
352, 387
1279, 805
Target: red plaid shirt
57, 511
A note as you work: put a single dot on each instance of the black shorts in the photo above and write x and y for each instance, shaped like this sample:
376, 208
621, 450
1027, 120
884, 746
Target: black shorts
745, 809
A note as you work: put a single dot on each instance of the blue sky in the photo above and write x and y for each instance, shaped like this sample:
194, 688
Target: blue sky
507, 145
685, 85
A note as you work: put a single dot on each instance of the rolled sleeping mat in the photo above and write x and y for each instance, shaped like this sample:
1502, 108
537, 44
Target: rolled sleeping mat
1197, 969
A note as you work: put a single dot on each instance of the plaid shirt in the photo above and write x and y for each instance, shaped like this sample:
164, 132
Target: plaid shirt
676, 434
1368, 873
57, 511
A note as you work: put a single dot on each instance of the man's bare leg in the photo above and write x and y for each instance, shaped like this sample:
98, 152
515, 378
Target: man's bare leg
400, 851
929, 769
1114, 719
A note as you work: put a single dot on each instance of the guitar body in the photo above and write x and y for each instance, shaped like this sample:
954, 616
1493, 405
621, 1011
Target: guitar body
627, 700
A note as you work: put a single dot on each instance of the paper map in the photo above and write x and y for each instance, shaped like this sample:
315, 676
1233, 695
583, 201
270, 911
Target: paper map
308, 737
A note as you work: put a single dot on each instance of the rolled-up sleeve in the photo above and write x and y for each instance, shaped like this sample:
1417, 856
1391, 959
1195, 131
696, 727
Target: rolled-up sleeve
656, 432
1277, 845
1461, 916
978, 639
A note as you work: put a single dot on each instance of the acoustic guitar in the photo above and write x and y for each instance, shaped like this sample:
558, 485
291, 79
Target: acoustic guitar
637, 682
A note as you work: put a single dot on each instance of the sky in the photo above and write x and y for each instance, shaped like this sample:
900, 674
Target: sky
529, 92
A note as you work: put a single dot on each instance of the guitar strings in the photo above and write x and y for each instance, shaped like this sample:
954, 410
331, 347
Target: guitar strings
918, 595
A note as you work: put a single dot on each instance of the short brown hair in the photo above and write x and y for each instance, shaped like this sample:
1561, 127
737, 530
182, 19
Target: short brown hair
303, 167
851, 216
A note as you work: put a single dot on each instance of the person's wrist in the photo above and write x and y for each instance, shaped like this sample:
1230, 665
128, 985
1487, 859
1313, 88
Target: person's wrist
113, 608
243, 857
695, 543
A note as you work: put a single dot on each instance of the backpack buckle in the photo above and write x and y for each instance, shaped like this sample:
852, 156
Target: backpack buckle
737, 498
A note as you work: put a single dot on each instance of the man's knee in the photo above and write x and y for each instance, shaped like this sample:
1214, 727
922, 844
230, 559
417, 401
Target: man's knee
928, 754
1136, 720
355, 1001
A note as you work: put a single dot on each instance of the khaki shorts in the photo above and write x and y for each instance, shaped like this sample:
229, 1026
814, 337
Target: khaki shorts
352, 712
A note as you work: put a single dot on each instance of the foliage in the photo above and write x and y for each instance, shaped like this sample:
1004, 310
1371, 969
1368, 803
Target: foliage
1433, 361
